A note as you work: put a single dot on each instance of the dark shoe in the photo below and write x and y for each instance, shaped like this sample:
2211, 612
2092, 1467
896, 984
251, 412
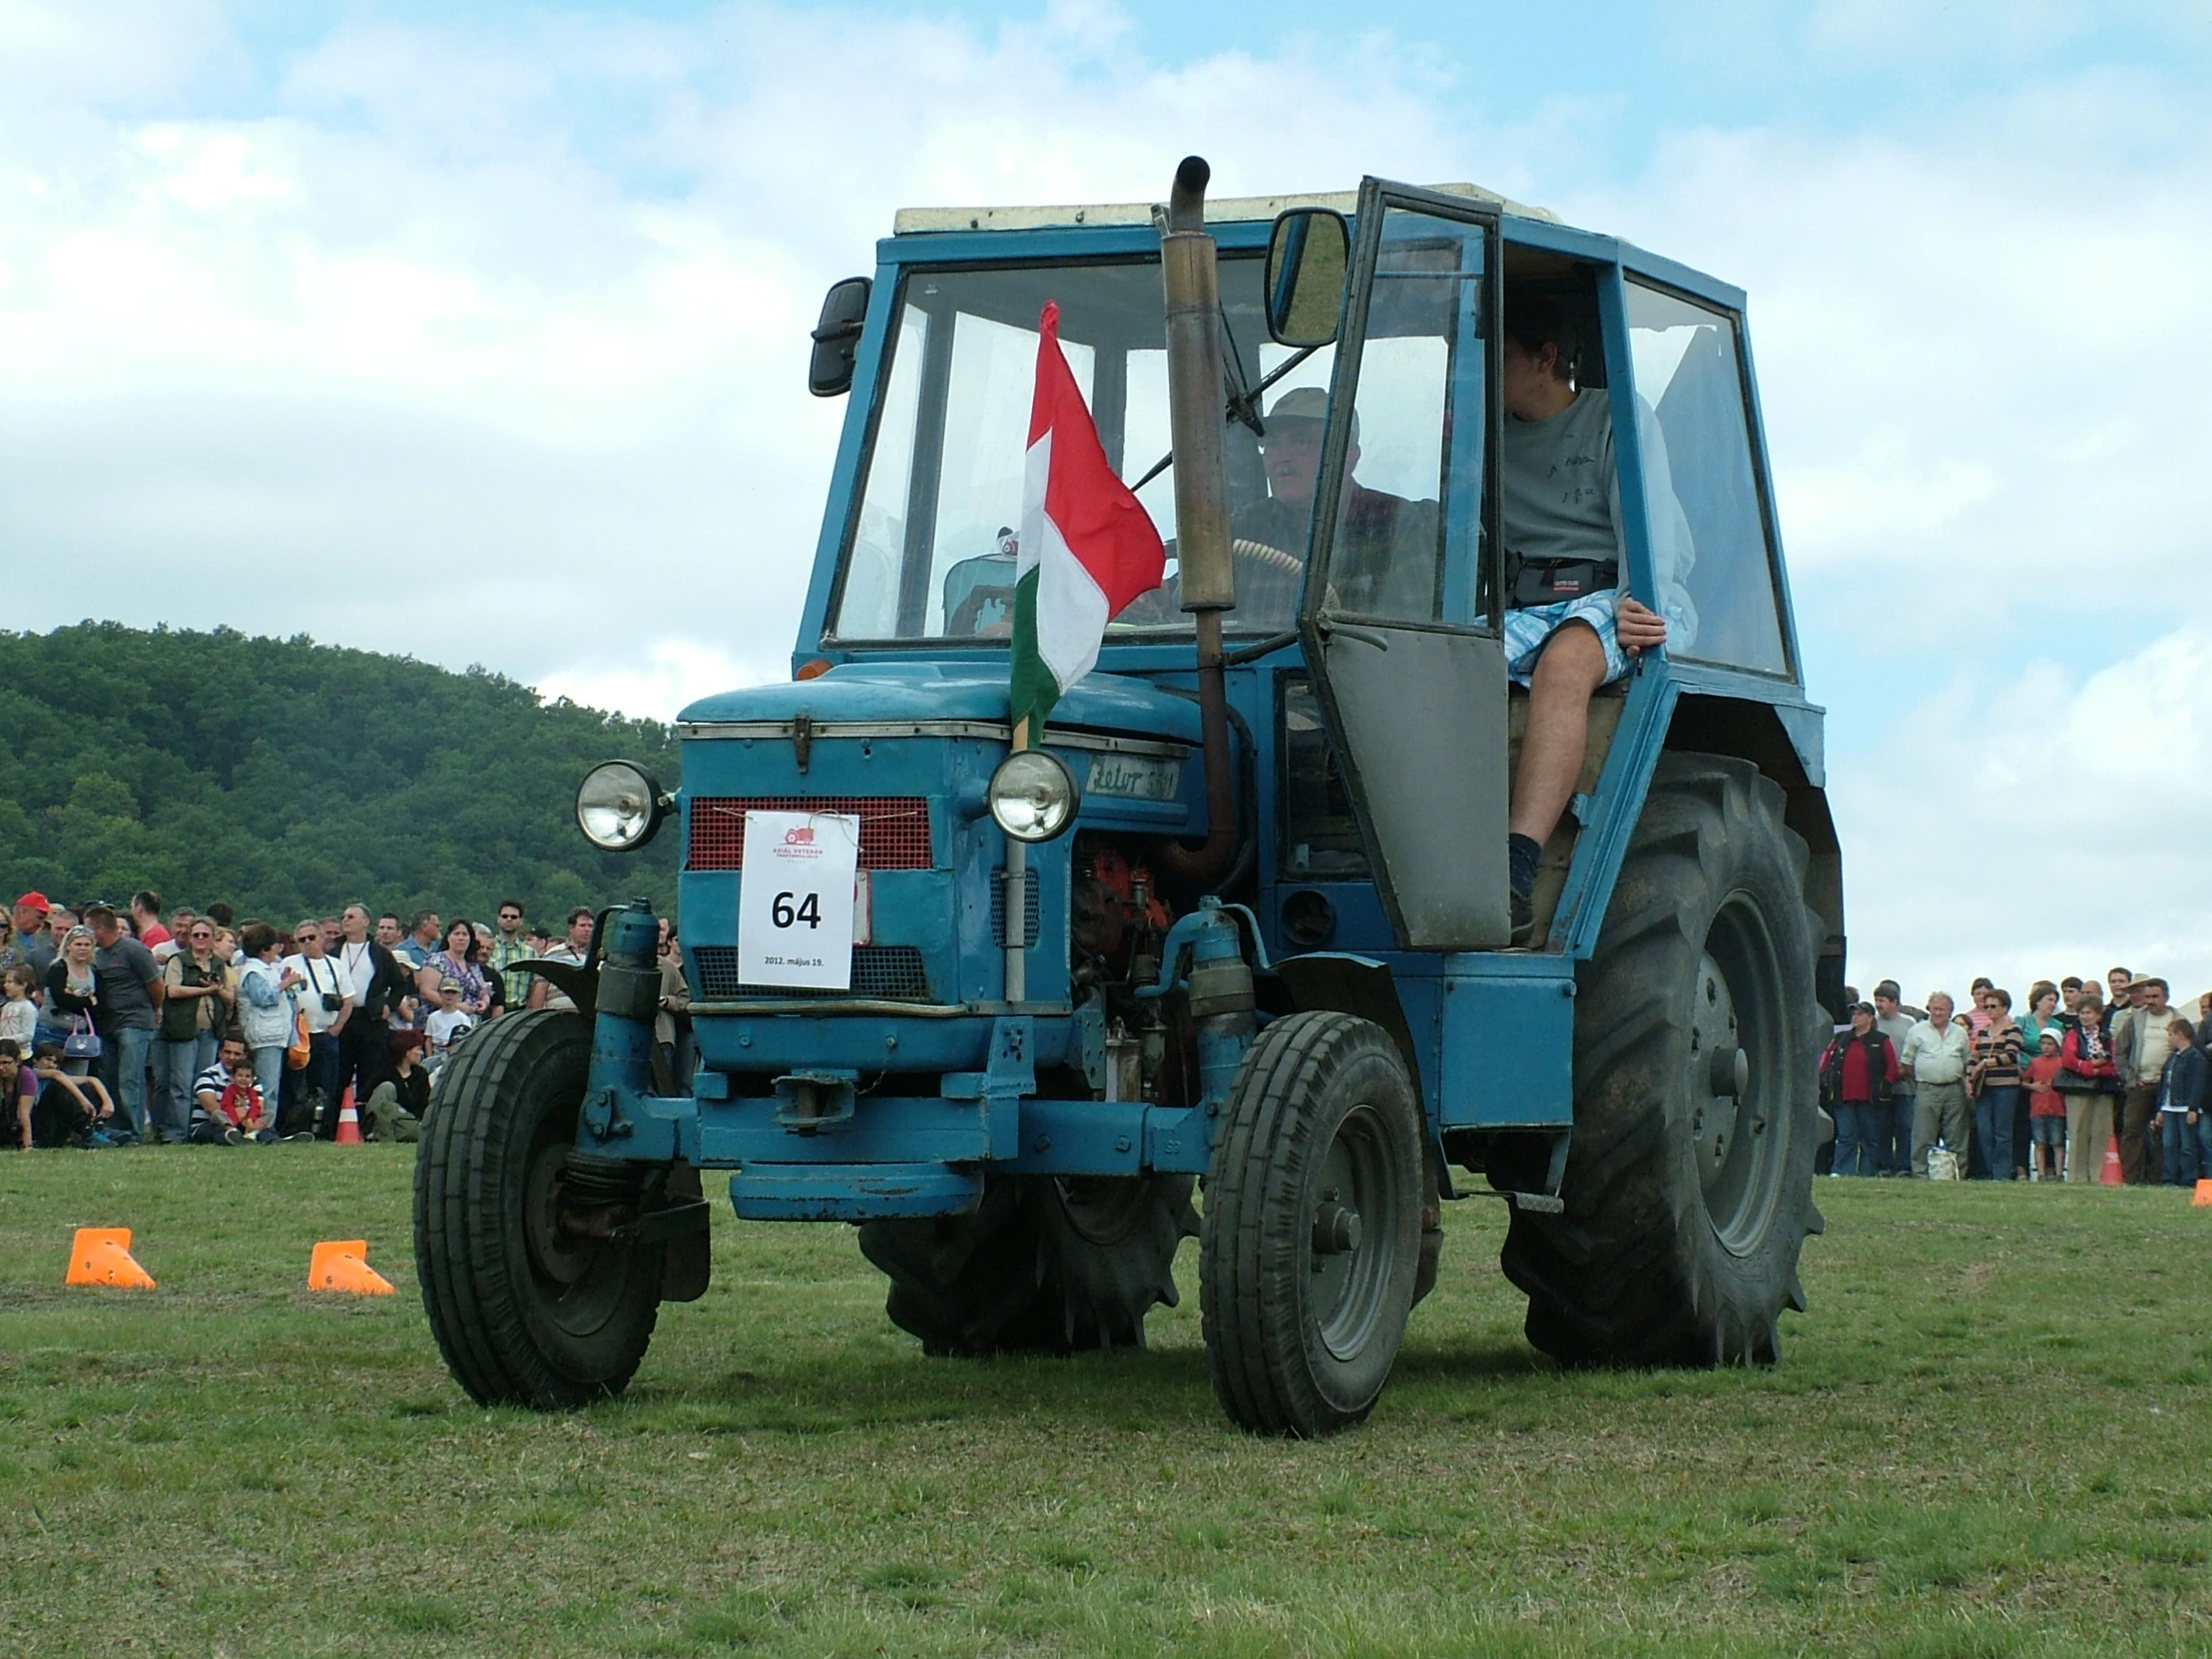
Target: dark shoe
1522, 911
232, 1136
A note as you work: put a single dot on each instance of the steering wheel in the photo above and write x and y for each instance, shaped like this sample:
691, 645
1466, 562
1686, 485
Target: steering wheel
1261, 552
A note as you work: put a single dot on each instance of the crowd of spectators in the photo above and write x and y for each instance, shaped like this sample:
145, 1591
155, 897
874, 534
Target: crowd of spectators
123, 1025
2043, 1092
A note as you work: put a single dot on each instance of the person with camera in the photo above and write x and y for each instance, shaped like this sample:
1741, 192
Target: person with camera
327, 999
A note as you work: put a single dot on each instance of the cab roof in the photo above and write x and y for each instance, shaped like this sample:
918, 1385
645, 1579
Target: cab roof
1221, 210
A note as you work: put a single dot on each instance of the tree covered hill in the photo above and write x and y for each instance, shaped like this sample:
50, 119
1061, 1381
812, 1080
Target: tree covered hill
290, 778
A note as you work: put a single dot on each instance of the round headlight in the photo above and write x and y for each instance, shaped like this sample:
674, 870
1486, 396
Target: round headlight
1032, 796
619, 805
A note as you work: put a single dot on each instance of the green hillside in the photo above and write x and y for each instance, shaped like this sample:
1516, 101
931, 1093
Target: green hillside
290, 778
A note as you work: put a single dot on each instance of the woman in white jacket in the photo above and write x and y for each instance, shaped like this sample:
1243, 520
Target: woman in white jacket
267, 1006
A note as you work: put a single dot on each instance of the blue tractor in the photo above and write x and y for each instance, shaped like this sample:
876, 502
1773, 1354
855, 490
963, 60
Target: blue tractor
1239, 925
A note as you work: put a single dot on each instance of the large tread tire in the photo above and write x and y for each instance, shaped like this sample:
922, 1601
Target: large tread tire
1299, 1344
1040, 1266
1680, 1237
521, 1321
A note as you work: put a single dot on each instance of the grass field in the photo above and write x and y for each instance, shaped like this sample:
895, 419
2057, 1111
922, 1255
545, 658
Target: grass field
1992, 1434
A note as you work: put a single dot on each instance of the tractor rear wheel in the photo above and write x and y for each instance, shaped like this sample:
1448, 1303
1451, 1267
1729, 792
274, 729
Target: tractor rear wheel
1043, 1264
526, 1309
1697, 1037
1311, 1243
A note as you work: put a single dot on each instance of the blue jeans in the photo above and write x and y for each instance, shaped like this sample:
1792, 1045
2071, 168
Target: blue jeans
269, 1077
1993, 1127
124, 1054
1860, 1128
2177, 1142
176, 1064
1894, 1144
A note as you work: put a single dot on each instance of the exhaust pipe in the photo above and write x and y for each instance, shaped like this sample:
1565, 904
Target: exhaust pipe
1206, 573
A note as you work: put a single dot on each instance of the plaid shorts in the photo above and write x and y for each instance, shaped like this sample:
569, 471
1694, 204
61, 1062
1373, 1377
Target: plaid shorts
1526, 631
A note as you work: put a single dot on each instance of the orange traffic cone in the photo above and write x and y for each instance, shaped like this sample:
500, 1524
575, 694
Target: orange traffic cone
2111, 1174
342, 1265
349, 1120
2203, 1199
102, 1256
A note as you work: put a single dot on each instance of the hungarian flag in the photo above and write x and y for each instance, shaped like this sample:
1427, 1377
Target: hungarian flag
1087, 545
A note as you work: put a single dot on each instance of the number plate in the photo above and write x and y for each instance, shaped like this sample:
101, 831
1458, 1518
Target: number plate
796, 912
1135, 776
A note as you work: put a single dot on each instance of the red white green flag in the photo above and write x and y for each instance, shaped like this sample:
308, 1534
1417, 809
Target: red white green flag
1088, 547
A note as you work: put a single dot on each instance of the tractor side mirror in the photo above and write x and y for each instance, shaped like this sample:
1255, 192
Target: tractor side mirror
837, 336
1307, 256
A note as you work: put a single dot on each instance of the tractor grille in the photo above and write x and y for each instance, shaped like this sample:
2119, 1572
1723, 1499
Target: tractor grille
895, 829
998, 909
891, 972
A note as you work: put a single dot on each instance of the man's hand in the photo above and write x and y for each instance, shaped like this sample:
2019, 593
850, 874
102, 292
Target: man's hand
1637, 626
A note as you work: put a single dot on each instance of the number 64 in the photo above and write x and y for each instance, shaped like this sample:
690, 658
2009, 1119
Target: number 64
809, 910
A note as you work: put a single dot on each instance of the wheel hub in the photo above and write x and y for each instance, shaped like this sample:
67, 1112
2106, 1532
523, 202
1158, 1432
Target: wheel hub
1354, 1224
1736, 1093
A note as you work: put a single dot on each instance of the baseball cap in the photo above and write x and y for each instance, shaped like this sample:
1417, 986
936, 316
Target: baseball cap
2049, 1034
1306, 403
1889, 989
1861, 1008
32, 900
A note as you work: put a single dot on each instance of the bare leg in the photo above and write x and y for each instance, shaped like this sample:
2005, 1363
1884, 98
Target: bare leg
1571, 668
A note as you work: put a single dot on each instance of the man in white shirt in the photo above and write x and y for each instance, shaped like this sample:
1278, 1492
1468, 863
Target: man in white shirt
327, 999
1935, 1053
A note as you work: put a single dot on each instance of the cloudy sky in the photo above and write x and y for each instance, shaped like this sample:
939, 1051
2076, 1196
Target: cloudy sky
476, 330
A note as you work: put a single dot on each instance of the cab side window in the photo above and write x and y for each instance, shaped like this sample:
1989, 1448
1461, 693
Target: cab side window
1703, 481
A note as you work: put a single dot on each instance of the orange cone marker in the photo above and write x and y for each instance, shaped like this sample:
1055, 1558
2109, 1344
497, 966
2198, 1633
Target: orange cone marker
2111, 1174
102, 1256
342, 1265
349, 1120
2203, 1199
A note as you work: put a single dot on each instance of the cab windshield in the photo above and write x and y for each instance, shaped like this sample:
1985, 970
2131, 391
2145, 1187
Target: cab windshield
932, 551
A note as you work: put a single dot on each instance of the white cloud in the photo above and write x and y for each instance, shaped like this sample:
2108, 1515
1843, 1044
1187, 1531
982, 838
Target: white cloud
2031, 824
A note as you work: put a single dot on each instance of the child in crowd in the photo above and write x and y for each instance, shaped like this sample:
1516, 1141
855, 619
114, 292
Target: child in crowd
19, 1014
2181, 1103
227, 1106
447, 1023
2047, 1108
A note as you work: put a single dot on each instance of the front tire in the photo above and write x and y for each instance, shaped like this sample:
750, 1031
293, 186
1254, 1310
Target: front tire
1697, 1034
1043, 1264
1311, 1242
525, 1312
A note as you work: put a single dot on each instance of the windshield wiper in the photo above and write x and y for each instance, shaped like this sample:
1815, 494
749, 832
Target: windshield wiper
1243, 406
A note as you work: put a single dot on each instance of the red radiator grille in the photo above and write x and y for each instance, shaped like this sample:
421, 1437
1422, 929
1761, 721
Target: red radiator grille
895, 829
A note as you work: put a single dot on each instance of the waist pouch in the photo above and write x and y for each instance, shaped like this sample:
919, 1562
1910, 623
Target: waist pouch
1531, 582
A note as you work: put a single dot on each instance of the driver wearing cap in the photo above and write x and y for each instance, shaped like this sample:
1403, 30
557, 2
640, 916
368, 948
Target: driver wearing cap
1380, 537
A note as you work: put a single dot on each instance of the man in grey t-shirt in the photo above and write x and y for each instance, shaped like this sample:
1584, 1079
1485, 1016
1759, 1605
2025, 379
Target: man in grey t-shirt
127, 982
1570, 627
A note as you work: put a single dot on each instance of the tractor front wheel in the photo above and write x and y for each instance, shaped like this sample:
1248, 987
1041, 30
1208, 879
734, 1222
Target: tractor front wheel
528, 1309
1311, 1242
